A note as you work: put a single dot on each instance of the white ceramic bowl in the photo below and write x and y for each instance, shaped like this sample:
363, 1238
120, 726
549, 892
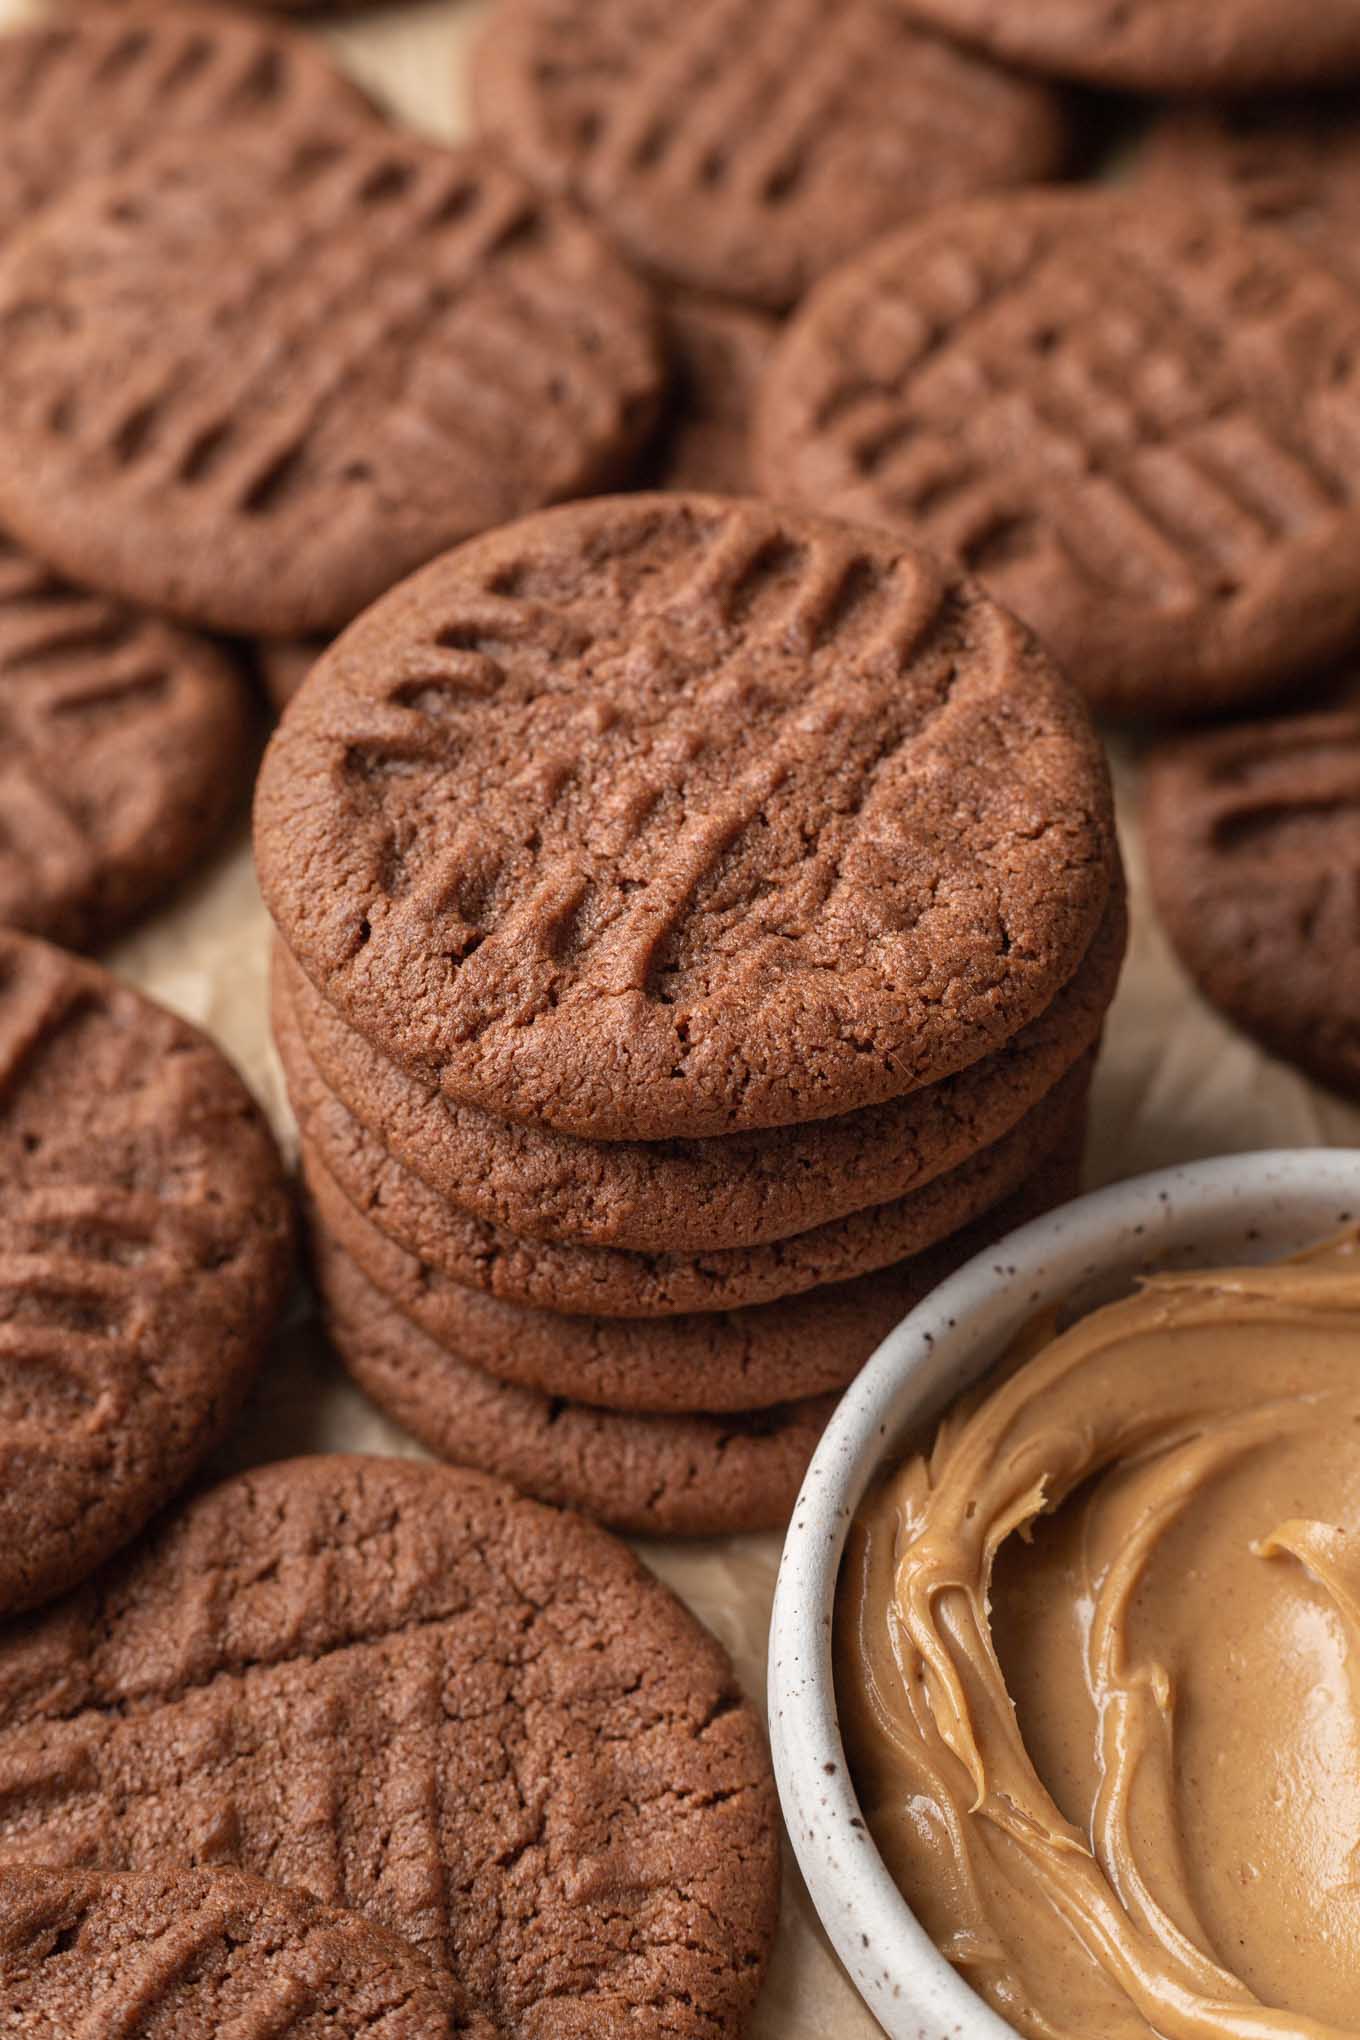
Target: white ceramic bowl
1242, 1208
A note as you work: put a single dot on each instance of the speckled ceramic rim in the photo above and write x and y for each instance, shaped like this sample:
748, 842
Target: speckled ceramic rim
1240, 1208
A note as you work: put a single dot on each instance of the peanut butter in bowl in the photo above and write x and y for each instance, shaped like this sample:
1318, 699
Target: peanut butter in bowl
1097, 1659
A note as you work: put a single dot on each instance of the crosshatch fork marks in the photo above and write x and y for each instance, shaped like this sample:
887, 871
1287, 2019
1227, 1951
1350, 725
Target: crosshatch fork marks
1253, 844
138, 75
1293, 164
143, 1246
373, 347
165, 1954
742, 778
491, 1696
743, 150
1139, 424
122, 744
766, 593
1289, 805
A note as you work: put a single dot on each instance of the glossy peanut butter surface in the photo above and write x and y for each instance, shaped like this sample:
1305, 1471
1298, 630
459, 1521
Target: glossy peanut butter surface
1097, 1665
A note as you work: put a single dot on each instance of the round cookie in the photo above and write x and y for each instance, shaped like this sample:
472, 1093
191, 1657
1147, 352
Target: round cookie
1292, 164
191, 1955
1176, 46
1253, 851
145, 1229
773, 820
407, 1690
718, 355
644, 1476
744, 152
358, 1188
254, 387
692, 1196
85, 94
715, 1361
125, 747
283, 664
1137, 422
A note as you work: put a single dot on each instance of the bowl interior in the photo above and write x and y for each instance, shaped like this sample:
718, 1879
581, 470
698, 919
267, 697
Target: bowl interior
1241, 1209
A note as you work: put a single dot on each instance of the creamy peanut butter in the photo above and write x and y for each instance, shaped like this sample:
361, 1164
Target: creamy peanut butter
1098, 1663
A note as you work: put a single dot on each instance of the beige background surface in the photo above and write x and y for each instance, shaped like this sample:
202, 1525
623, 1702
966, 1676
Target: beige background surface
1174, 1083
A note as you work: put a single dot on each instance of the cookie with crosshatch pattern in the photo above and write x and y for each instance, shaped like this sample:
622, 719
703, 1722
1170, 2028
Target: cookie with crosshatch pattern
1252, 836
1180, 46
478, 1722
744, 149
125, 745
145, 1232
252, 387
84, 94
1137, 422
673, 815
198, 1954
1291, 163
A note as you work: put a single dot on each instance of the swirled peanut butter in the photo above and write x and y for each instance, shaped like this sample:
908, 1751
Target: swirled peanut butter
1098, 1663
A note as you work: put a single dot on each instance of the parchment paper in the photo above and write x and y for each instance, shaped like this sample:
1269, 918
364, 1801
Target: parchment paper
1174, 1083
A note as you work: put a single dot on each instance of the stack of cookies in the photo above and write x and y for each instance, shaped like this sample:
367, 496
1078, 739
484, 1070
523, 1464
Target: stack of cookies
697, 923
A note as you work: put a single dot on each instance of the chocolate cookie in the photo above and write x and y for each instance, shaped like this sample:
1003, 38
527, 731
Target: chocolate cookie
1253, 848
689, 1197
1178, 46
1292, 164
83, 95
479, 1722
646, 1476
718, 354
716, 1361
670, 815
358, 1188
144, 1247
1137, 422
253, 387
194, 1955
284, 663
125, 746
745, 151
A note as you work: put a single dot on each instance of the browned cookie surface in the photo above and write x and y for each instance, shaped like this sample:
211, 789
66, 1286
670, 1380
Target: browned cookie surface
1182, 46
718, 354
478, 1722
715, 1361
691, 1196
199, 1955
359, 1188
254, 387
1137, 421
668, 815
89, 93
144, 1246
742, 149
125, 746
1253, 847
669, 1475
1292, 164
